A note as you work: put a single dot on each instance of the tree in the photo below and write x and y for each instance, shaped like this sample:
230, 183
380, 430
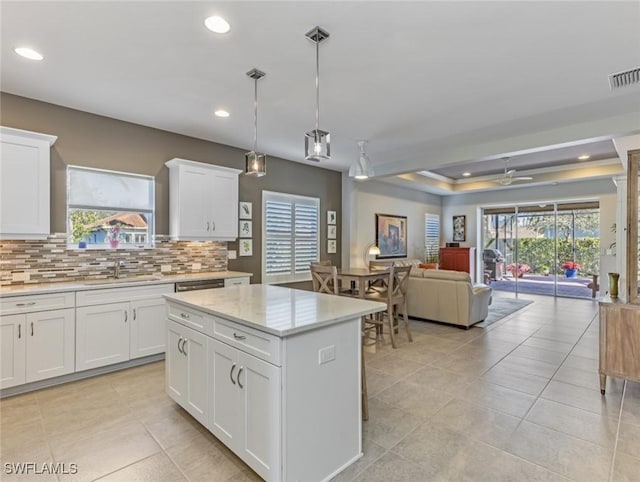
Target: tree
79, 221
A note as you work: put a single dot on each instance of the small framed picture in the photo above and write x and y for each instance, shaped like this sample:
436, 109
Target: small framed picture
332, 246
459, 228
331, 217
245, 210
246, 229
245, 247
332, 232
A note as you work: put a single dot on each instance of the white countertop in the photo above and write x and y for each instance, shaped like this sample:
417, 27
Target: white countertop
275, 309
123, 282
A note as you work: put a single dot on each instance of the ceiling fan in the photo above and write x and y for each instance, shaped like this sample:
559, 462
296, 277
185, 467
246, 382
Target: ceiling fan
507, 177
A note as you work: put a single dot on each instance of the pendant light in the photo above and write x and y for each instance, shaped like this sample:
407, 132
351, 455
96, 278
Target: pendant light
256, 162
361, 168
317, 143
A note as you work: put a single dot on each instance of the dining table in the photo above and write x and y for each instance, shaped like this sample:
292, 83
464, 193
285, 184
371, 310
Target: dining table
362, 277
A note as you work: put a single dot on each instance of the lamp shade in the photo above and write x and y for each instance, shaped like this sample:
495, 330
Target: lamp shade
361, 167
317, 145
256, 164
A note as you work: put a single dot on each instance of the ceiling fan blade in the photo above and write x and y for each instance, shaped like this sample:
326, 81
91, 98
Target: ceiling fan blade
522, 178
510, 172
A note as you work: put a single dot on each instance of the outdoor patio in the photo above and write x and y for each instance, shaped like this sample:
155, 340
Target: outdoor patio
543, 285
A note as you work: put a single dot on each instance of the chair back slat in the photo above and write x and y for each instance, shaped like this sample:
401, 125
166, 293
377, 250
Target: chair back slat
325, 279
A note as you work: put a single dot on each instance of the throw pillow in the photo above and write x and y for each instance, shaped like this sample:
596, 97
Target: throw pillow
428, 265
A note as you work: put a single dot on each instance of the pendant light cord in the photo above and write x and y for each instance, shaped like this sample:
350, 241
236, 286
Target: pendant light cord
317, 84
255, 117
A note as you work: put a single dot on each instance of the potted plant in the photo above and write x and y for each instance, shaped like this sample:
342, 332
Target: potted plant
518, 269
570, 269
544, 269
114, 235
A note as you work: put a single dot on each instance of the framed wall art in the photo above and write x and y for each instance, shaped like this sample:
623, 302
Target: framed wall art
391, 236
331, 217
245, 247
245, 210
332, 246
332, 232
246, 228
459, 228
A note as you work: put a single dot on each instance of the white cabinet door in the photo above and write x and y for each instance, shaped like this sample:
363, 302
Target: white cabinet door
176, 363
24, 185
259, 384
225, 411
12, 350
102, 335
195, 205
224, 215
236, 281
195, 350
148, 327
50, 342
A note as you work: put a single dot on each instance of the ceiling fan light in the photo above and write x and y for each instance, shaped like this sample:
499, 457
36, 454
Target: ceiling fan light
361, 168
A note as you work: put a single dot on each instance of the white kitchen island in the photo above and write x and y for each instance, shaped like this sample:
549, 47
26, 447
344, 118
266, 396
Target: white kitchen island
274, 373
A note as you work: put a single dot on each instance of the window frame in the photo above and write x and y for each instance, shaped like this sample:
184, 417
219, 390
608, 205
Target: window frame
436, 256
150, 213
292, 276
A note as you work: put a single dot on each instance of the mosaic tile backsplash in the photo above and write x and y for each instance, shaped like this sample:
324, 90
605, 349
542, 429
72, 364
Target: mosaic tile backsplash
51, 260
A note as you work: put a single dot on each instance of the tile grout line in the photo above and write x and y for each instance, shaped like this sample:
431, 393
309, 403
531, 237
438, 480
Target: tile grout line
615, 445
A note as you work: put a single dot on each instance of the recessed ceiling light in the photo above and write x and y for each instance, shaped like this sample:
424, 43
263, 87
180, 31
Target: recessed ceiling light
466, 174
28, 53
221, 113
584, 157
217, 24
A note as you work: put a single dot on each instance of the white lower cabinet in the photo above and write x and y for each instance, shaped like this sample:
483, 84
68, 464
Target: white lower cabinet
244, 407
12, 350
102, 335
115, 325
36, 346
186, 369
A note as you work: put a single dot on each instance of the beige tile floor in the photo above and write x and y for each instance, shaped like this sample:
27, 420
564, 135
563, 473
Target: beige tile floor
516, 401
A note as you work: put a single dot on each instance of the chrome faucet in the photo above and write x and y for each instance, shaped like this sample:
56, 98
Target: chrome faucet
118, 263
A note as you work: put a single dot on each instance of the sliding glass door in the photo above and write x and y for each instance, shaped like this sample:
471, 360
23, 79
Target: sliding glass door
546, 249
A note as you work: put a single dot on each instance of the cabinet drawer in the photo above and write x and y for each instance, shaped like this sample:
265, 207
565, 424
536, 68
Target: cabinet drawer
236, 281
254, 342
191, 318
32, 303
103, 296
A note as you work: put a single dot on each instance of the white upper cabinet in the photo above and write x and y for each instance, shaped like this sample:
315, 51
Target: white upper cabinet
203, 201
24, 184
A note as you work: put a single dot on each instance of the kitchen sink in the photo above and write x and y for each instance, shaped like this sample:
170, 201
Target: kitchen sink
132, 279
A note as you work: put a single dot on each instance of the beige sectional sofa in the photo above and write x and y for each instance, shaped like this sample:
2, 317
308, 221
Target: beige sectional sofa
446, 296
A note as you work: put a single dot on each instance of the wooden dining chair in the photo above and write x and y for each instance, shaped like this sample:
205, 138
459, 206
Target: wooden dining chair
322, 262
379, 285
324, 279
394, 296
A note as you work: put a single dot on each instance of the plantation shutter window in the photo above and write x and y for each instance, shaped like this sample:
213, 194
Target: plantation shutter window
431, 238
290, 236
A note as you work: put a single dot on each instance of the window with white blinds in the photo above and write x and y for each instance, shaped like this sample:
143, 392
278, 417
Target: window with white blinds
431, 238
290, 238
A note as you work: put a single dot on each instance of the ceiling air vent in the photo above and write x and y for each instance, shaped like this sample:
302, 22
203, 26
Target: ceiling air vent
624, 79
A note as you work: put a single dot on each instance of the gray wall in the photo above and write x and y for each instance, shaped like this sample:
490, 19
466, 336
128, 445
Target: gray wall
91, 140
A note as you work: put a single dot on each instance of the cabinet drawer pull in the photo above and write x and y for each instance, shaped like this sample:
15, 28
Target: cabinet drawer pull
179, 348
126, 316
19, 331
239, 337
134, 314
32, 328
207, 225
238, 377
30, 303
184, 315
213, 225
233, 367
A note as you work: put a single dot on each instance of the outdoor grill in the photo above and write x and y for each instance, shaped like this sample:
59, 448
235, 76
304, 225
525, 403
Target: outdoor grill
491, 258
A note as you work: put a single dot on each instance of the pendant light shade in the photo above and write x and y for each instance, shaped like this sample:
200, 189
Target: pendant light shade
317, 143
361, 168
256, 162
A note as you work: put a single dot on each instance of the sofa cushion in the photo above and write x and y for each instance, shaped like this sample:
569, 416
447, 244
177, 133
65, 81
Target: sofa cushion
447, 274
